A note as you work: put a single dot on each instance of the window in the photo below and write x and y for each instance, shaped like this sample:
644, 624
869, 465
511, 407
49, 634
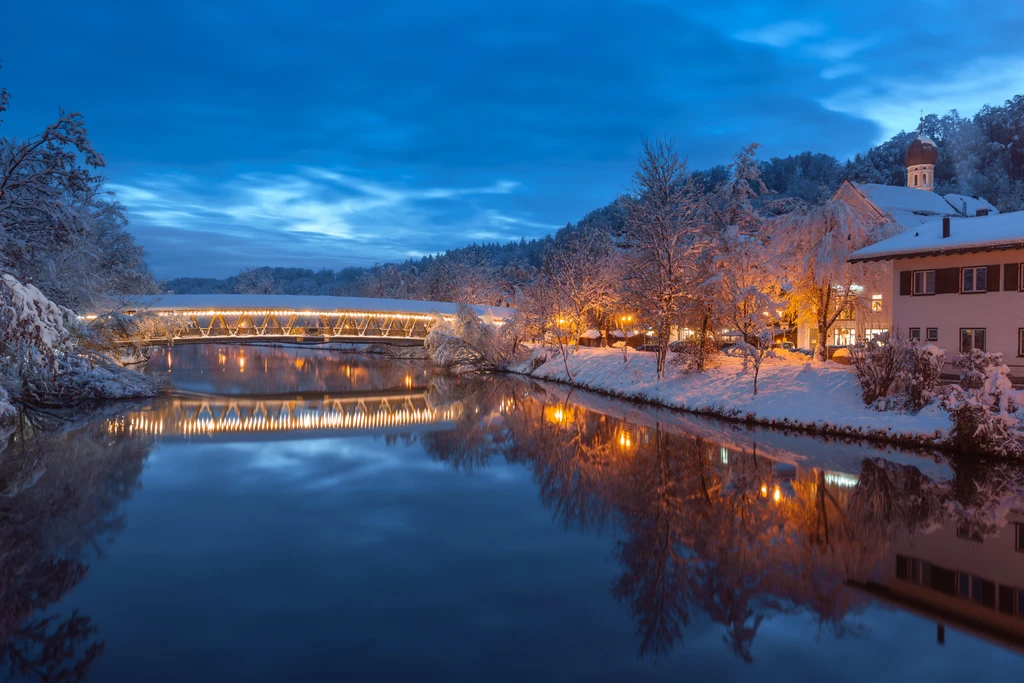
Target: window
976, 589
876, 303
924, 282
967, 533
915, 180
973, 279
847, 313
972, 338
1020, 341
915, 333
844, 337
932, 334
872, 333
1020, 537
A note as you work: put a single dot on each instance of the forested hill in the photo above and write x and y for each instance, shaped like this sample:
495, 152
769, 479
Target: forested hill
980, 156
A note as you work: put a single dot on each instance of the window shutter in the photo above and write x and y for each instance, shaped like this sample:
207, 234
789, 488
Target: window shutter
947, 281
1011, 271
905, 282
993, 279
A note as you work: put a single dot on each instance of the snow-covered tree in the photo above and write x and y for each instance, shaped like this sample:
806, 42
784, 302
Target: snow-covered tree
59, 229
664, 240
813, 244
468, 343
255, 281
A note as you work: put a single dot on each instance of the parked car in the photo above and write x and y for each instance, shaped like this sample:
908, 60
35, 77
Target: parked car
805, 352
785, 346
650, 348
676, 346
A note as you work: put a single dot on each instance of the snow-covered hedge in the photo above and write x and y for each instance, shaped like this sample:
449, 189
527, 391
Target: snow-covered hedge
896, 373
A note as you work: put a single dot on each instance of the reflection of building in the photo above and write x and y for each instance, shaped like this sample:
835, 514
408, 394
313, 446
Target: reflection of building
961, 579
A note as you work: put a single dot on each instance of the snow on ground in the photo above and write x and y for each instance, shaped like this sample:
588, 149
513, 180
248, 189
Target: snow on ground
791, 390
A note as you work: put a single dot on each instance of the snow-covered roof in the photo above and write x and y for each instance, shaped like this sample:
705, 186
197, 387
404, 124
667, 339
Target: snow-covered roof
957, 201
986, 233
309, 302
892, 199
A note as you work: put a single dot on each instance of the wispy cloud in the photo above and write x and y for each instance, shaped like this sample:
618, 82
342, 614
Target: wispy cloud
783, 34
339, 210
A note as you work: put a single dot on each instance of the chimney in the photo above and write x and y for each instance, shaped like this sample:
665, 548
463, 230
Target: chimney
945, 227
964, 211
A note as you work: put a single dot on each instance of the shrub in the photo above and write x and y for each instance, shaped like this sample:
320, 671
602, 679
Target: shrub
985, 417
469, 344
694, 356
896, 373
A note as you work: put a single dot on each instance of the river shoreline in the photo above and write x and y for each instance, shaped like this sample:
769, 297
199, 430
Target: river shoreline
827, 403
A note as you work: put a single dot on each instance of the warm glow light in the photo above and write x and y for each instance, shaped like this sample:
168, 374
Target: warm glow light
624, 440
777, 496
764, 490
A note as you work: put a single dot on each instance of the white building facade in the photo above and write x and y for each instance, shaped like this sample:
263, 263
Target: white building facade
958, 284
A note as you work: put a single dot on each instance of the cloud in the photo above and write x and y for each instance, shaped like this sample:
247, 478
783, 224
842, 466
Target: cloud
783, 34
312, 215
895, 102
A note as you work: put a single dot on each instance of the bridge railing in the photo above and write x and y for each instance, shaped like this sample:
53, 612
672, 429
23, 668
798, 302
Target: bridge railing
299, 324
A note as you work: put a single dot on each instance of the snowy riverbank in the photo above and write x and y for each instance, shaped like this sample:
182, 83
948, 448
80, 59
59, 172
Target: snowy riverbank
792, 392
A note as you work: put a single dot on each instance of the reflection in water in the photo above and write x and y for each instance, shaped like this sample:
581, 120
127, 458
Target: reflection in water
706, 520
701, 527
220, 414
60, 496
266, 370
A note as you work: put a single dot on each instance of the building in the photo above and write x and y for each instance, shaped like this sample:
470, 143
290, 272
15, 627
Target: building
909, 207
957, 282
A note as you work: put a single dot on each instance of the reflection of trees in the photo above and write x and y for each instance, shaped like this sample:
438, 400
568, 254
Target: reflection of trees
60, 497
696, 535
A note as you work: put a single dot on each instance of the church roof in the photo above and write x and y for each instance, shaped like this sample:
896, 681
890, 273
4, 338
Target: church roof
907, 206
921, 151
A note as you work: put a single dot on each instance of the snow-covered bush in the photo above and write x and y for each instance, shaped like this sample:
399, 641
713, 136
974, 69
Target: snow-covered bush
468, 344
33, 336
695, 356
919, 377
40, 361
986, 419
897, 373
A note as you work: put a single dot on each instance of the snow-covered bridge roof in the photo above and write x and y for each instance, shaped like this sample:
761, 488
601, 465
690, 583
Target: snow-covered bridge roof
304, 303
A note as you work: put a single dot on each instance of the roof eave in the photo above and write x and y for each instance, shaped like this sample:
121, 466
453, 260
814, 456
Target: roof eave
895, 256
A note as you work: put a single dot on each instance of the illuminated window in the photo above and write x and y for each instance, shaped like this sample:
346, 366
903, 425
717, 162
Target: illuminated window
724, 453
972, 338
876, 303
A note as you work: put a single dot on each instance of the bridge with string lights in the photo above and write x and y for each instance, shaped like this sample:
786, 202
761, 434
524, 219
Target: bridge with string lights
269, 317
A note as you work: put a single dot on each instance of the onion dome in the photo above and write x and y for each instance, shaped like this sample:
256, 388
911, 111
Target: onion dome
921, 151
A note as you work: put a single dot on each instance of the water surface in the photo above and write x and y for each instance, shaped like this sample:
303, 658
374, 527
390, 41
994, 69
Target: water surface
291, 514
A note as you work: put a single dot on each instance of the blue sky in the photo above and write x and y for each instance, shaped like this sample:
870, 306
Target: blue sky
347, 133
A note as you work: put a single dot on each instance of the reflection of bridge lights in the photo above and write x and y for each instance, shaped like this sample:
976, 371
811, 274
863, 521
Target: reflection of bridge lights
299, 362
241, 363
408, 380
191, 418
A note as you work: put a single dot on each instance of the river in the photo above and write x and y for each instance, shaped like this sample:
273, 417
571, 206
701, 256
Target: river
298, 515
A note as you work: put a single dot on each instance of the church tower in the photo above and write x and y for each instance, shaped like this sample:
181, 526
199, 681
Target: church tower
920, 159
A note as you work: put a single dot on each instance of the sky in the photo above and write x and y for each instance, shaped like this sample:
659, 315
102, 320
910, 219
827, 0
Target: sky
333, 134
